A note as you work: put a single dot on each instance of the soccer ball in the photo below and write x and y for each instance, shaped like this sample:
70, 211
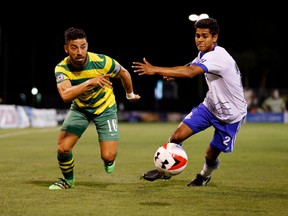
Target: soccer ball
170, 158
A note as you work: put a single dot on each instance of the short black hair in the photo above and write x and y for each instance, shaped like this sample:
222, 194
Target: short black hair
73, 34
209, 23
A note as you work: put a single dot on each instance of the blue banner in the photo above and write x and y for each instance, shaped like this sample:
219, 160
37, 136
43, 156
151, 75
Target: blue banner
265, 117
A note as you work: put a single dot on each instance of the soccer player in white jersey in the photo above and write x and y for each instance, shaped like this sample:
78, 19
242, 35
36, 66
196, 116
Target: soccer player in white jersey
223, 108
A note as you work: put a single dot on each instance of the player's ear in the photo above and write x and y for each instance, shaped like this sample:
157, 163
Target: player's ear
65, 48
215, 38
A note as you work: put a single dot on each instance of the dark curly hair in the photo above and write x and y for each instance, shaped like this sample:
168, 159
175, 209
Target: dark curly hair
73, 34
208, 23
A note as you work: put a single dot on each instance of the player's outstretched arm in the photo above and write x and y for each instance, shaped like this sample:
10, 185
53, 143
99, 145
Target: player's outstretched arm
186, 71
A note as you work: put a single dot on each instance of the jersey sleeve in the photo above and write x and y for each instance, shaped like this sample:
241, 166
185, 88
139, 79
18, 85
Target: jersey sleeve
60, 73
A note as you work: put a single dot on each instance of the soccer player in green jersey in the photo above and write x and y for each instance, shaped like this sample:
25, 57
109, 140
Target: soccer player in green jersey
83, 78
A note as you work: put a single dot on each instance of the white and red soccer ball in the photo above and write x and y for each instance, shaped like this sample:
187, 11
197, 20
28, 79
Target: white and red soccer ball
170, 158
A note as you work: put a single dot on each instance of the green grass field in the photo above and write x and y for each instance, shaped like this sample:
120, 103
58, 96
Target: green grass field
252, 180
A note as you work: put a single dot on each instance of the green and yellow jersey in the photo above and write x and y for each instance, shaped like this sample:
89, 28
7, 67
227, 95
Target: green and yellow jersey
95, 100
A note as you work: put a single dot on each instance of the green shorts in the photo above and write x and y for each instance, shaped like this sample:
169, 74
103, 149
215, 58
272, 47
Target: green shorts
106, 123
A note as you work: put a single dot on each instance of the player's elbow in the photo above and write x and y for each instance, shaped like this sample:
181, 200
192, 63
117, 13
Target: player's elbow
189, 76
66, 99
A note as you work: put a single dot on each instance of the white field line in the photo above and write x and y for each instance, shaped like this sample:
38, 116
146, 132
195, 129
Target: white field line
18, 133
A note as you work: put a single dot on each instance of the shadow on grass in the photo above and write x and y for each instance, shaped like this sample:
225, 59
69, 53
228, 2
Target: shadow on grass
157, 204
82, 184
155, 184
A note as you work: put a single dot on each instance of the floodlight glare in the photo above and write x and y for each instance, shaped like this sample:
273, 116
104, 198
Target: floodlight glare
195, 17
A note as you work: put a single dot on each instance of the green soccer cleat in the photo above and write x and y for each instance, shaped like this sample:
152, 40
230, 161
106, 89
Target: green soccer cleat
109, 168
62, 184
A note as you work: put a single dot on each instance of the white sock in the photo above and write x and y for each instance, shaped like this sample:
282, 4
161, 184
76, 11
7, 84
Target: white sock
207, 171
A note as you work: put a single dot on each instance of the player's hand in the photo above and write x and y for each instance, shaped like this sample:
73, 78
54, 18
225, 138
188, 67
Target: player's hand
131, 97
143, 68
102, 81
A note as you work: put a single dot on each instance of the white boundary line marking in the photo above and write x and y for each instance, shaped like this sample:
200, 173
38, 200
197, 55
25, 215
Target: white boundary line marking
17, 133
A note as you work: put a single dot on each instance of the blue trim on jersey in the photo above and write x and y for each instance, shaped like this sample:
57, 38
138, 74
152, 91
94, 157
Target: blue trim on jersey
205, 68
202, 66
224, 137
201, 54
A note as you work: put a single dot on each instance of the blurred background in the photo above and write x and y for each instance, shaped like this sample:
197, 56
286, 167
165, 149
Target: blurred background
31, 44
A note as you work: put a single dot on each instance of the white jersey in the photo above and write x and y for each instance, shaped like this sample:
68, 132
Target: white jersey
225, 96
